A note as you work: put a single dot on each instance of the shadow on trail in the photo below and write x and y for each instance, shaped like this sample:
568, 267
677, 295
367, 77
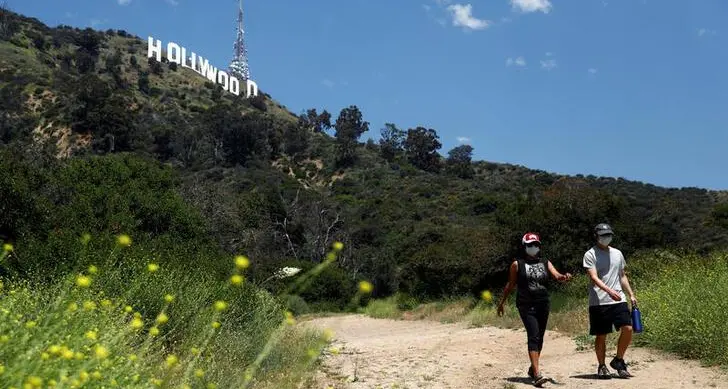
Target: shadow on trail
528, 381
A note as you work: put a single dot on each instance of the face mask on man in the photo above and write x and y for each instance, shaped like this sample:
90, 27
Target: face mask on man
532, 250
605, 240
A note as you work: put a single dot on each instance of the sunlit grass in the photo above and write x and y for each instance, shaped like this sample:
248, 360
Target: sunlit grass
140, 324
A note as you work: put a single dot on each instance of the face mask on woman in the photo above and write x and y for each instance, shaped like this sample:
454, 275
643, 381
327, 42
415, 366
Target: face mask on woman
532, 250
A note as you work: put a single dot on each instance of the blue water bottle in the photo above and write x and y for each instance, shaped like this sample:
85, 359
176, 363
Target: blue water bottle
636, 319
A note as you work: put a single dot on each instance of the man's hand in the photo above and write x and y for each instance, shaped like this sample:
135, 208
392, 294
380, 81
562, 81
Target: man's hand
633, 300
567, 277
614, 295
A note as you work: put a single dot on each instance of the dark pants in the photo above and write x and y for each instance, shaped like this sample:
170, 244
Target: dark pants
535, 317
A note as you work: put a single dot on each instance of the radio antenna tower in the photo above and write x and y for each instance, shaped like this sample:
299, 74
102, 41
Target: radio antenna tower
239, 65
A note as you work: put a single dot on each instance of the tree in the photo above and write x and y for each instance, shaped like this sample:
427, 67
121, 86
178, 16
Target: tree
314, 121
296, 139
421, 146
459, 161
392, 141
349, 127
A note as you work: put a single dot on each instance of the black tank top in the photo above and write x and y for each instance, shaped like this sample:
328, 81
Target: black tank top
532, 281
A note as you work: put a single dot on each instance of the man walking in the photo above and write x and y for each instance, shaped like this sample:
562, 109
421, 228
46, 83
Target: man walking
607, 303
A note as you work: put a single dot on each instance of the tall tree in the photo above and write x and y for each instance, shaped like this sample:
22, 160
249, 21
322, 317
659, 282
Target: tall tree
314, 121
421, 146
459, 161
349, 127
391, 142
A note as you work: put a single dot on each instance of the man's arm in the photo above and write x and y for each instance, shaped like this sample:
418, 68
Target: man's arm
625, 282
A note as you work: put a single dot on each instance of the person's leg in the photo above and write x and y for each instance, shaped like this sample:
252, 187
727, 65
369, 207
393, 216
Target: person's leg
600, 327
622, 320
600, 347
530, 322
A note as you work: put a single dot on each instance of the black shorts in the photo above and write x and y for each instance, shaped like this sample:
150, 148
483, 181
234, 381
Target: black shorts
602, 318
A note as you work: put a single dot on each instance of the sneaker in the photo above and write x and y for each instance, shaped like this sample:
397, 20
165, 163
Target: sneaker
621, 367
539, 380
603, 372
530, 372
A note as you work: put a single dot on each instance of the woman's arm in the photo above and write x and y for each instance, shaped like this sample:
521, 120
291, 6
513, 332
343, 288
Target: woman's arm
558, 276
512, 280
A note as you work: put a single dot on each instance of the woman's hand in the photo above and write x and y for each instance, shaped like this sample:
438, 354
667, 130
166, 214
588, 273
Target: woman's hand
565, 277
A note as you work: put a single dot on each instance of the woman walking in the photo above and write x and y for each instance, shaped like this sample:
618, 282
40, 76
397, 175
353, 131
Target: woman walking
529, 273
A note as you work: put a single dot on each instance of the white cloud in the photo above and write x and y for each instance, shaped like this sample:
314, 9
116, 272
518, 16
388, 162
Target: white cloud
462, 16
173, 3
519, 61
328, 83
426, 7
70, 15
592, 71
532, 5
548, 64
463, 139
124, 2
96, 22
705, 31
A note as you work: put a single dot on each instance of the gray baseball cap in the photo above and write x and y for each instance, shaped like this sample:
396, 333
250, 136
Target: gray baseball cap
603, 229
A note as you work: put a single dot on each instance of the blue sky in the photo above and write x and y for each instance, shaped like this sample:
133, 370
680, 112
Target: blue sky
623, 88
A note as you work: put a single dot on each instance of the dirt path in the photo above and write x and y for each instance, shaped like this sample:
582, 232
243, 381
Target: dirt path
376, 353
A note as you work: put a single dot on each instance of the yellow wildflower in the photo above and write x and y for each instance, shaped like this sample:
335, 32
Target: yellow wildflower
72, 307
89, 305
7, 247
106, 303
338, 246
236, 280
199, 373
242, 262
365, 287
92, 335
172, 360
128, 309
30, 324
101, 352
220, 305
152, 267
168, 298
289, 318
93, 269
137, 323
154, 331
215, 324
123, 240
487, 296
162, 318
83, 281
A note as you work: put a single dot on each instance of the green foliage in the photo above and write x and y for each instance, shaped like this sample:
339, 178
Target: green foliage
685, 310
421, 146
349, 127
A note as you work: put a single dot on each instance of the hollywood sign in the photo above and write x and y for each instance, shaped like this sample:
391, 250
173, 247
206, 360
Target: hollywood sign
177, 54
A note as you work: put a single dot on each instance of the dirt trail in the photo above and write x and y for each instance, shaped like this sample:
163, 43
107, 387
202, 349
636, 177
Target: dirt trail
377, 353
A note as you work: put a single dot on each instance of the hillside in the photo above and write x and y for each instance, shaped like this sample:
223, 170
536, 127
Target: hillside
181, 163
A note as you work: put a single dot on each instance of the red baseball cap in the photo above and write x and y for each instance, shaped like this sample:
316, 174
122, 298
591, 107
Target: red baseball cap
530, 237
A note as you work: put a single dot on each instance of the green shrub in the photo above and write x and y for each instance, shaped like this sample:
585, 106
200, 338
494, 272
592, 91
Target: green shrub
685, 311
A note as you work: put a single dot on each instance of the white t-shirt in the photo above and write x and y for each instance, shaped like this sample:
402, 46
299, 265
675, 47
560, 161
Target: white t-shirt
609, 265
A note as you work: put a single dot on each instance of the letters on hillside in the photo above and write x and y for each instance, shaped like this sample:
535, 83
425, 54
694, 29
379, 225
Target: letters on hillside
178, 55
